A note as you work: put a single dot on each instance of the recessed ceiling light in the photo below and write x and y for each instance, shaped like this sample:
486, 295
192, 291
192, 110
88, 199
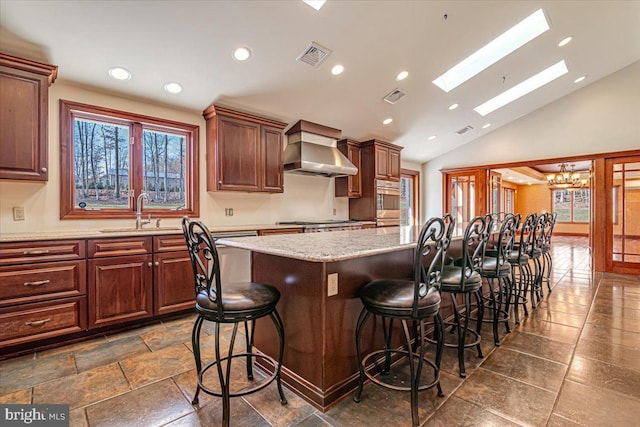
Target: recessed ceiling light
337, 69
512, 39
486, 125
565, 41
402, 75
242, 53
579, 79
173, 87
119, 73
453, 106
316, 4
529, 183
431, 138
387, 121
523, 88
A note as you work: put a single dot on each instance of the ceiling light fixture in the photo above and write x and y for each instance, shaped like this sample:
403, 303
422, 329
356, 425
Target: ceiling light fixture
565, 41
387, 121
512, 39
173, 87
431, 138
119, 73
566, 179
337, 69
241, 54
453, 106
402, 75
316, 4
523, 88
579, 79
486, 125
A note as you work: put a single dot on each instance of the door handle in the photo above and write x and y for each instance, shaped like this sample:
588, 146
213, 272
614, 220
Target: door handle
37, 322
38, 283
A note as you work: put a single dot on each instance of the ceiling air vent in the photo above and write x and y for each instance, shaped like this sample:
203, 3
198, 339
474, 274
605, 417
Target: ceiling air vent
464, 130
314, 54
394, 96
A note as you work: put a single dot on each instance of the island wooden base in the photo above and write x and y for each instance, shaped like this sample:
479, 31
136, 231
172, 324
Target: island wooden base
320, 355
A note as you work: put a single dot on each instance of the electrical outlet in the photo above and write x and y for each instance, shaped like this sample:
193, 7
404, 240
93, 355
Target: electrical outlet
332, 284
228, 211
18, 213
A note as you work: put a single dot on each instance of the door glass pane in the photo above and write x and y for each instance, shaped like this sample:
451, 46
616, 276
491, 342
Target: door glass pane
164, 169
406, 201
626, 205
100, 165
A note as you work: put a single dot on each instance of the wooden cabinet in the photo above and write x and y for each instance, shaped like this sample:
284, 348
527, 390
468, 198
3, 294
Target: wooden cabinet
24, 107
173, 282
270, 231
350, 186
387, 161
120, 280
244, 152
42, 290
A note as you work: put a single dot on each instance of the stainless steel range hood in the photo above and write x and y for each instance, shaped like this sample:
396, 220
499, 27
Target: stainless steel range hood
312, 154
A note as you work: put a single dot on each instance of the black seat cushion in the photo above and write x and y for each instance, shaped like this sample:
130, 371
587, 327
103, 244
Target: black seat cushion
490, 268
244, 298
451, 280
395, 298
535, 253
514, 258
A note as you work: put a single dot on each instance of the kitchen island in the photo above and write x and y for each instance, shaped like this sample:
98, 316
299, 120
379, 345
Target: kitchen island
318, 276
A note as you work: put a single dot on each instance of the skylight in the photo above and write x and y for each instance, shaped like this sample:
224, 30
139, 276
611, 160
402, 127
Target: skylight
316, 4
523, 88
514, 38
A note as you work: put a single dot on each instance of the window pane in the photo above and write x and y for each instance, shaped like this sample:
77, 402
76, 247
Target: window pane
164, 169
406, 201
581, 203
100, 165
562, 205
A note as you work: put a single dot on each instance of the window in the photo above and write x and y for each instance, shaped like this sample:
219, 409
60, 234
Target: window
409, 202
572, 205
509, 197
109, 157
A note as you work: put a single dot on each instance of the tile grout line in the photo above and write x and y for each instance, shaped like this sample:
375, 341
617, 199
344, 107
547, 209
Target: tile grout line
575, 347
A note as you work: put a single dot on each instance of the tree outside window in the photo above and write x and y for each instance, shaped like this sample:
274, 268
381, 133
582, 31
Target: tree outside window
572, 205
109, 157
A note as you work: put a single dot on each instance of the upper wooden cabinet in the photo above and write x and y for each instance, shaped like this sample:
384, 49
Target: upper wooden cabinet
387, 160
350, 186
244, 152
24, 110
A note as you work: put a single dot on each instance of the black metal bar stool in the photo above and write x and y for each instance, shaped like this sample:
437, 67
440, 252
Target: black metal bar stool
547, 264
496, 268
462, 278
535, 254
408, 300
229, 303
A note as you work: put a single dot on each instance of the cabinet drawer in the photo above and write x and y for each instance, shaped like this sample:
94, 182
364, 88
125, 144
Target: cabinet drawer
32, 322
119, 246
39, 251
171, 243
31, 283
270, 231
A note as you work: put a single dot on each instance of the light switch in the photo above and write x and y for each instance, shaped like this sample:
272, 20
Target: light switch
332, 284
18, 213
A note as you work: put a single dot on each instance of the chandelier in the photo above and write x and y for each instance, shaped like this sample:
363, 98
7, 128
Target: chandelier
566, 179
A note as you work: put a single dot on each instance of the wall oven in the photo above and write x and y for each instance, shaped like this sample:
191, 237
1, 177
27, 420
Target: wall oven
387, 203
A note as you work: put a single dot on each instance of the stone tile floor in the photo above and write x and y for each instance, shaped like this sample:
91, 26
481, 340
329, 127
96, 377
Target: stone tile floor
575, 360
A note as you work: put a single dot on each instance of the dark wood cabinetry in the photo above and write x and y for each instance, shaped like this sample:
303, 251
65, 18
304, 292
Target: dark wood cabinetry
350, 186
244, 152
387, 160
24, 107
271, 231
173, 284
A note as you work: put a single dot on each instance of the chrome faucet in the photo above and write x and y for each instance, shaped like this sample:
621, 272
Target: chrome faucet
139, 221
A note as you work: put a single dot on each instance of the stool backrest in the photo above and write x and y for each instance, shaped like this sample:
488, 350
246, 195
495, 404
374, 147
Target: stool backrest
525, 245
430, 254
474, 242
539, 231
204, 260
504, 243
551, 219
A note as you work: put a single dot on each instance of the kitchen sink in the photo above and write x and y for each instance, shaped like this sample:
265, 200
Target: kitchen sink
135, 230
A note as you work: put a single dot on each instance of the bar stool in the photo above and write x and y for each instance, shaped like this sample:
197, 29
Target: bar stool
547, 265
496, 268
408, 300
229, 303
462, 278
535, 254
520, 269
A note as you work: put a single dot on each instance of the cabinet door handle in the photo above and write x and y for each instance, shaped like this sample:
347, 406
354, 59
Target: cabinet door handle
37, 283
43, 170
37, 322
150, 264
36, 252
157, 263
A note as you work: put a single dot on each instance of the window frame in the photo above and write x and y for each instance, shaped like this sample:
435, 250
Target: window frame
414, 176
571, 205
136, 123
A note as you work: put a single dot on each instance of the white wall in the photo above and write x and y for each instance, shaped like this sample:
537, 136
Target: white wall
304, 197
599, 118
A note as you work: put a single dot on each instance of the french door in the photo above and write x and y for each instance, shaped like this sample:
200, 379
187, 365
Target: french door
465, 194
622, 180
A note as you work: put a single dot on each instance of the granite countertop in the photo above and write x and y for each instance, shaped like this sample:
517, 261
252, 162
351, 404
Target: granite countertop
127, 232
330, 246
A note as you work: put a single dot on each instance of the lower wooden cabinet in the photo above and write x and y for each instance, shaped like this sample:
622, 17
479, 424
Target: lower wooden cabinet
174, 287
120, 289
